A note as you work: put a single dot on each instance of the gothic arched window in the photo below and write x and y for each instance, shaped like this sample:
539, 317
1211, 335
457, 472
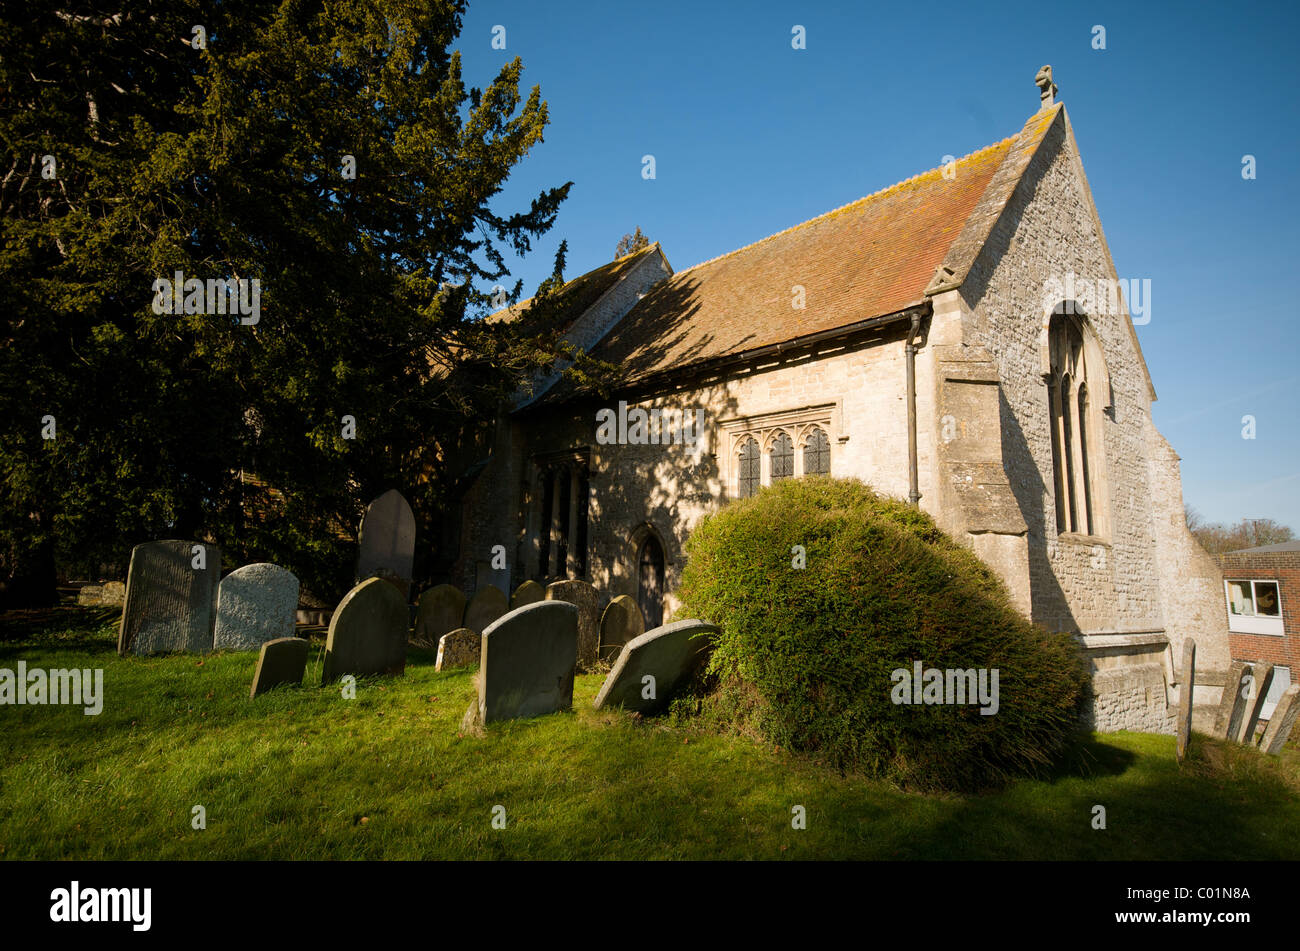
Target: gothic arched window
1075, 450
782, 457
817, 453
750, 468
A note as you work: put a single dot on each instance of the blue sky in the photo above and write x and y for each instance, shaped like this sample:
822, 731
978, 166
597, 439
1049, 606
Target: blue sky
751, 136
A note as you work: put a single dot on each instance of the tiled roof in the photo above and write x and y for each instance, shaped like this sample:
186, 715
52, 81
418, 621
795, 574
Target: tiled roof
580, 293
870, 258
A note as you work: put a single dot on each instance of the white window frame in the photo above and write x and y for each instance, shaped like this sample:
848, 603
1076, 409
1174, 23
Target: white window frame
1254, 623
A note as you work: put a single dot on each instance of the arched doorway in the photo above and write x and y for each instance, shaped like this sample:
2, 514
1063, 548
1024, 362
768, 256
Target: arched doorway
650, 585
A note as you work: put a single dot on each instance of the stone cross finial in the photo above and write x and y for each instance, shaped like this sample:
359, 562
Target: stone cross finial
1046, 88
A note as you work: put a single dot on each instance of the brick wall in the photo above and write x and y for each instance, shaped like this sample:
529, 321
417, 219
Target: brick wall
1284, 568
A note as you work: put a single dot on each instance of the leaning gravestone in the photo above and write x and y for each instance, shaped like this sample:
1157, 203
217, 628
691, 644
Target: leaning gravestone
113, 594
171, 598
282, 661
1284, 716
1185, 694
526, 667
255, 604
1228, 699
440, 611
487, 605
582, 596
367, 633
459, 648
530, 592
651, 666
388, 541
1255, 709
1240, 702
620, 623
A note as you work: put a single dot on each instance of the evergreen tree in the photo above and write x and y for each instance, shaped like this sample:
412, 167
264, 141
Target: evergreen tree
333, 153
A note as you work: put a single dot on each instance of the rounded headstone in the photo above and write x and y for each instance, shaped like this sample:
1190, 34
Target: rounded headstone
282, 661
582, 596
530, 592
367, 633
255, 604
621, 622
669, 654
387, 541
171, 597
487, 604
527, 662
459, 648
441, 610
90, 594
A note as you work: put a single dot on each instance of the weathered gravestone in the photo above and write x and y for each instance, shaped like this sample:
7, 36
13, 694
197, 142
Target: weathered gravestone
526, 665
113, 594
171, 598
1255, 705
582, 596
530, 592
620, 623
282, 661
388, 541
1284, 716
651, 666
459, 648
90, 594
441, 610
486, 606
1241, 701
367, 633
1186, 690
255, 604
1228, 699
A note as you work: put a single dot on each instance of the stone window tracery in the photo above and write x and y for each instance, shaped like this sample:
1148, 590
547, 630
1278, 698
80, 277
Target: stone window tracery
1077, 474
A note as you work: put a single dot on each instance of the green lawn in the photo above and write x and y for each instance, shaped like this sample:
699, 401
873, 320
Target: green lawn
303, 773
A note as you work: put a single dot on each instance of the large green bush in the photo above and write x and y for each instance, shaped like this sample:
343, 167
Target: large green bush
805, 655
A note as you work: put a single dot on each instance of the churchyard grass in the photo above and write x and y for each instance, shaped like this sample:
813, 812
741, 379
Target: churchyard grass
301, 773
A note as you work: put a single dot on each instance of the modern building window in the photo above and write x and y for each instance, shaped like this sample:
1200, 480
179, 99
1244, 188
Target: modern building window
1074, 429
817, 453
750, 468
1254, 607
782, 457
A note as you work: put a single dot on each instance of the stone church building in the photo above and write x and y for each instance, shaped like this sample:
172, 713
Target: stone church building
930, 339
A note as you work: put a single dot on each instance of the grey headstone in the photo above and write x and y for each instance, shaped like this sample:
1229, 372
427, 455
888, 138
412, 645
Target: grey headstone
170, 605
1186, 691
441, 610
90, 594
530, 592
1240, 703
459, 648
113, 594
1255, 708
670, 654
486, 606
388, 541
1284, 716
621, 623
282, 661
255, 604
1231, 692
367, 633
582, 596
526, 665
